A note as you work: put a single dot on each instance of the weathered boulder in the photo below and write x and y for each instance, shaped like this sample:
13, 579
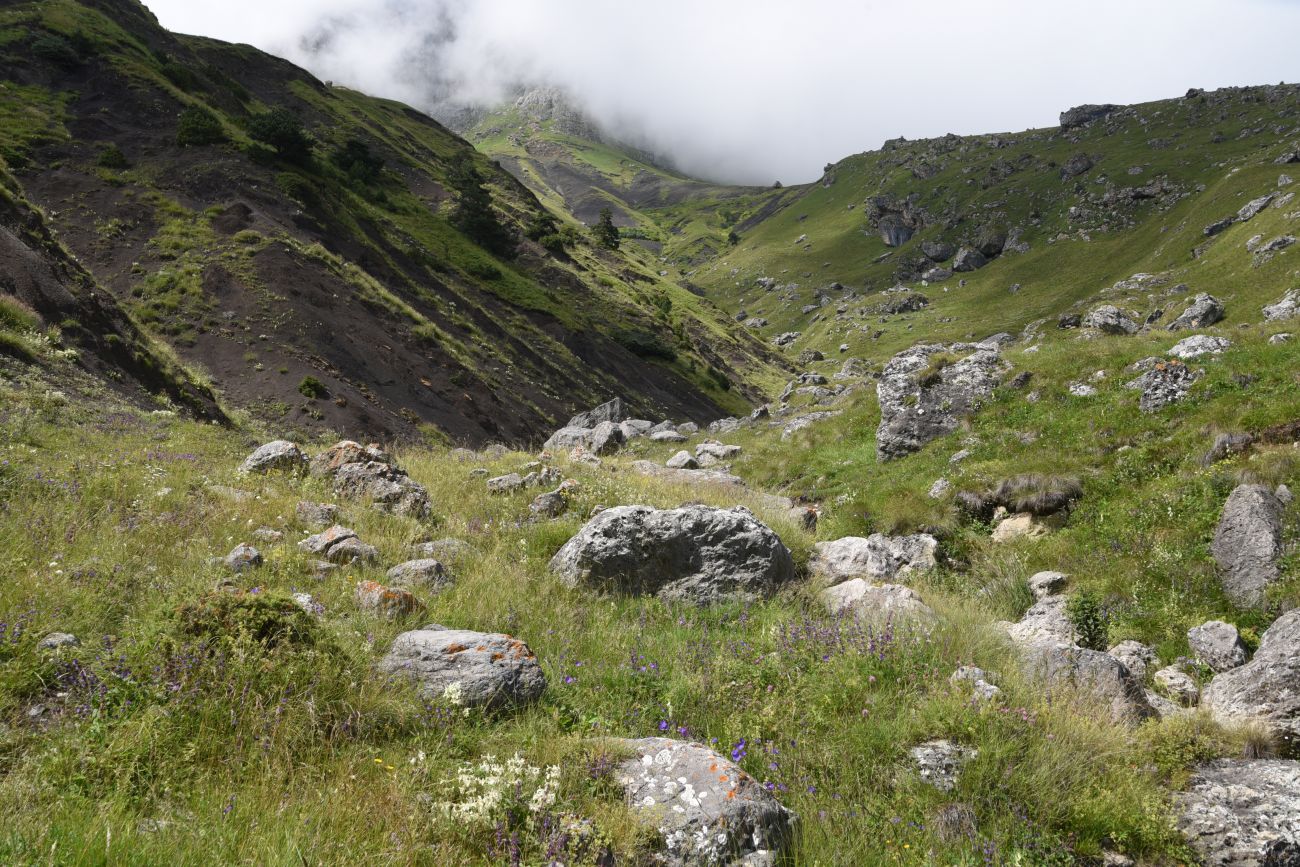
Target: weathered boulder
876, 603
351, 551
58, 641
1198, 345
923, 397
328, 462
667, 436
1240, 813
1217, 645
940, 762
1045, 584
683, 460
320, 543
969, 259
551, 504
1078, 164
1251, 209
704, 807
1045, 621
717, 451
1136, 656
317, 514
695, 554
613, 411
938, 251
1266, 689
1248, 542
388, 487
450, 551
875, 558
1204, 311
1164, 383
606, 438
686, 476
1096, 675
1287, 308
568, 437
426, 573
1178, 685
508, 484
1085, 114
244, 558
1109, 319
279, 456
1021, 525
472, 669
387, 602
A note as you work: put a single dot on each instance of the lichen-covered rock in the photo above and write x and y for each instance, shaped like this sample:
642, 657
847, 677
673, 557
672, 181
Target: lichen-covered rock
472, 669
1044, 584
704, 807
389, 488
244, 558
568, 437
1239, 813
695, 554
328, 462
1046, 620
317, 514
1164, 383
683, 460
940, 762
1267, 689
1178, 685
352, 551
877, 604
551, 504
1109, 319
1204, 311
1287, 308
1136, 656
922, 397
1217, 645
606, 438
58, 641
320, 543
613, 411
1199, 345
507, 484
389, 602
1247, 543
279, 456
875, 558
426, 573
1098, 676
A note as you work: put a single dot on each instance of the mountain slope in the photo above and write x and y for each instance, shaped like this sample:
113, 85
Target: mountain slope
330, 289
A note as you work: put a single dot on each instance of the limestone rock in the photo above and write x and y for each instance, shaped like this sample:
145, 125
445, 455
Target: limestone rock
1239, 813
387, 602
875, 558
921, 401
1198, 345
472, 669
1266, 689
939, 762
1217, 645
1109, 319
244, 558
279, 456
425, 573
1204, 311
1136, 656
876, 603
1248, 542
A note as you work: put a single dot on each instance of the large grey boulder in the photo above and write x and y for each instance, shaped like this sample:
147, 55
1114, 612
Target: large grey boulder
1198, 345
1267, 689
1045, 621
606, 438
389, 488
695, 554
683, 460
704, 807
1109, 319
1217, 645
279, 456
1204, 311
1085, 114
1252, 208
1097, 675
1136, 656
472, 669
875, 558
969, 259
1287, 308
344, 452
568, 438
426, 573
613, 411
876, 604
1248, 542
921, 400
1164, 383
1239, 813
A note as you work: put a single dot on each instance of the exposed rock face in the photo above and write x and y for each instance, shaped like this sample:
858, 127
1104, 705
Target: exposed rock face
613, 411
1109, 319
875, 558
473, 669
1164, 383
1204, 311
1266, 689
981, 682
279, 456
1099, 675
1045, 621
1243, 813
1287, 308
369, 473
1045, 584
1217, 645
707, 810
1198, 345
939, 762
1084, 114
1076, 165
1178, 685
938, 251
695, 554
1136, 656
606, 438
912, 412
1248, 542
876, 604
969, 259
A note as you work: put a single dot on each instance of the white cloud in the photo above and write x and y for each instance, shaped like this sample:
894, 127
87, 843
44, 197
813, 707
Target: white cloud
756, 90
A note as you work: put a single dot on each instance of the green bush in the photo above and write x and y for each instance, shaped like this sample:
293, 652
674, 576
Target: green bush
268, 619
357, 161
1088, 619
281, 129
112, 157
199, 127
17, 316
56, 50
312, 388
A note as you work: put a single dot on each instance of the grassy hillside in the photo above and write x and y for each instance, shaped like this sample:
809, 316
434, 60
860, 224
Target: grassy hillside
274, 261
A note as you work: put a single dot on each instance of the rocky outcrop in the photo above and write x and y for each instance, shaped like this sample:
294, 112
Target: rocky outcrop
339, 545
1109, 319
613, 411
1217, 645
1164, 383
876, 604
278, 456
1238, 813
1085, 114
1098, 675
368, 473
1265, 690
1199, 345
1204, 311
706, 810
694, 554
940, 762
874, 558
471, 669
1248, 542
969, 259
925, 391
1287, 308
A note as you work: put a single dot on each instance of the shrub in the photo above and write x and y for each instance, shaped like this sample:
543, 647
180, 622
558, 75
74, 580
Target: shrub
199, 127
17, 316
1088, 619
269, 619
357, 161
932, 373
112, 157
474, 215
282, 130
605, 232
56, 50
312, 388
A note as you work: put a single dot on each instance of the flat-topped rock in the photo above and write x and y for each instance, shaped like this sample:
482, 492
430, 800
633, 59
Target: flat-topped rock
875, 558
471, 669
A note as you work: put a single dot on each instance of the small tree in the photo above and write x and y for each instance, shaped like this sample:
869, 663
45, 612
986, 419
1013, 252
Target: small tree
474, 215
282, 130
605, 232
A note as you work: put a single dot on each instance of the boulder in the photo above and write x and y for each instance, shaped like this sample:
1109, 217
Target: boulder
351, 551
613, 411
717, 450
968, 259
507, 484
1252, 208
1287, 308
688, 428
320, 543
471, 669
1097, 675
1164, 383
683, 460
1021, 525
279, 456
875, 558
1109, 319
1247, 543
695, 554
938, 251
244, 558
687, 477
1226, 445
330, 461
921, 400
1078, 164
1045, 584
1198, 345
1266, 689
939, 762
1178, 685
568, 437
1136, 656
317, 514
388, 487
1204, 311
427, 573
58, 641
1085, 114
551, 504
1217, 645
667, 436
606, 438
1241, 813
450, 551
876, 604
388, 602
1045, 621
705, 809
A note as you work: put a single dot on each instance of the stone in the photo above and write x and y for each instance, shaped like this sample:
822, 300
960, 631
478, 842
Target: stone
470, 669
968, 259
387, 487
688, 477
940, 489
1204, 311
683, 460
1178, 685
1021, 525
345, 452
1198, 345
1045, 584
508, 484
1247, 544
606, 438
1287, 308
308, 603
1085, 114
425, 574
1097, 675
688, 428
938, 251
704, 808
1045, 621
58, 641
243, 558
912, 412
320, 543
696, 554
278, 456
1227, 445
1218, 226
876, 604
940, 762
1252, 208
1278, 339
635, 427
551, 504
1243, 813
717, 451
980, 682
1136, 656
875, 558
1163, 707
1217, 645
1165, 383
352, 551
449, 551
567, 438
388, 602
268, 535
1078, 164
1265, 690
1109, 319
667, 436
1081, 389
613, 411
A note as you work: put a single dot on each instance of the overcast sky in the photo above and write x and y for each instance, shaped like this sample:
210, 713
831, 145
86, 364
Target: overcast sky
761, 90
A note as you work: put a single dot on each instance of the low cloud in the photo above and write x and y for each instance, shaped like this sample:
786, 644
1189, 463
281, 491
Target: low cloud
757, 90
